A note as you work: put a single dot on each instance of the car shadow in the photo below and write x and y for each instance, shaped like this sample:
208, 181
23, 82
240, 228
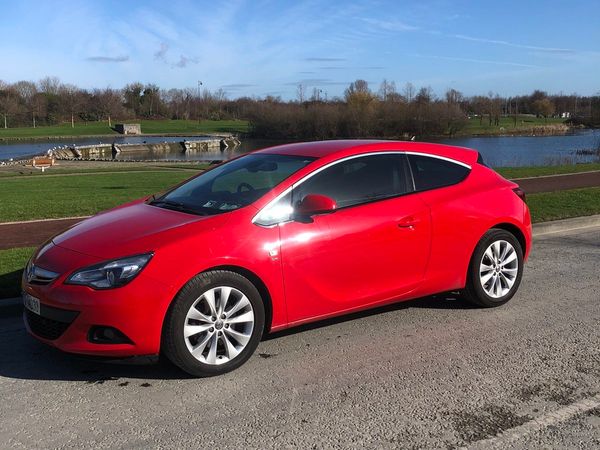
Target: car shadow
25, 358
440, 301
8, 283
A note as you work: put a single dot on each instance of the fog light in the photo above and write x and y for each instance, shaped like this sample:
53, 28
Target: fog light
107, 335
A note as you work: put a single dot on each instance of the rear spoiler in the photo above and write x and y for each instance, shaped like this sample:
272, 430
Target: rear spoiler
480, 160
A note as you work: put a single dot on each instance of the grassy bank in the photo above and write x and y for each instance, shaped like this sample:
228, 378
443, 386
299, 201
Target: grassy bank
524, 125
85, 188
87, 167
544, 207
35, 197
538, 171
564, 204
11, 267
148, 127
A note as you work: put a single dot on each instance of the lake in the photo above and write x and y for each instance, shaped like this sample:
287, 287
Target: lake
497, 151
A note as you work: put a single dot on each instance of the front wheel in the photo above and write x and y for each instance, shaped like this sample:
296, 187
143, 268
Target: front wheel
495, 269
214, 324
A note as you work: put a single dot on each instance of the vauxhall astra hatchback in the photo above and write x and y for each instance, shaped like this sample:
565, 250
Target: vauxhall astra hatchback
273, 239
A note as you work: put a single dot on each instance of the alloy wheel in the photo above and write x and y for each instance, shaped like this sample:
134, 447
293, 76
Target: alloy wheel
218, 325
498, 269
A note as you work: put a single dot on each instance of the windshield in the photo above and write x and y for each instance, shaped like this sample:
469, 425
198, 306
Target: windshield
232, 185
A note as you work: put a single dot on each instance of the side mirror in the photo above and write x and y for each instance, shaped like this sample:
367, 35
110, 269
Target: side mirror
313, 204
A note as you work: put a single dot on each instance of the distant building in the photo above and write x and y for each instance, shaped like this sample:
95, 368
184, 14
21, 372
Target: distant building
128, 128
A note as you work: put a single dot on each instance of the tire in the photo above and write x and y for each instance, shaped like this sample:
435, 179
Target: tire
204, 337
496, 286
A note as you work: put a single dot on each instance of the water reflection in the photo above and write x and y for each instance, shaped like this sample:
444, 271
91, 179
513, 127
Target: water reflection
497, 151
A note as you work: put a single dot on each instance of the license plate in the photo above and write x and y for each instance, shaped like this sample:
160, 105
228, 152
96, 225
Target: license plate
31, 303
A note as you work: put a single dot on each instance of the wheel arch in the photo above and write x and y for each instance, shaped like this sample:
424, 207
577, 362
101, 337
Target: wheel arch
506, 226
258, 284
516, 232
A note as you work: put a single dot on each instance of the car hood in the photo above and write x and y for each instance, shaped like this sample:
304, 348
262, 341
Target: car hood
133, 228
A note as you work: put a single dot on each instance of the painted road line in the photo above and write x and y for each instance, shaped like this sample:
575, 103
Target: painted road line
507, 437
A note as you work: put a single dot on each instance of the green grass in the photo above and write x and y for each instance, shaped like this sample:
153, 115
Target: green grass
544, 207
88, 191
148, 127
506, 125
25, 198
564, 204
537, 171
12, 263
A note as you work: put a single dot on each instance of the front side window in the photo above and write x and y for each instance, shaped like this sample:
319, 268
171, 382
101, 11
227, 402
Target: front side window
431, 173
351, 182
358, 180
232, 185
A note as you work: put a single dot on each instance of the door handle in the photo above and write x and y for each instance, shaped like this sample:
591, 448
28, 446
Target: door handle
408, 222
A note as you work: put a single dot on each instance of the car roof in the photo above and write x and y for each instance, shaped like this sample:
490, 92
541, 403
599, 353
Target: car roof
334, 148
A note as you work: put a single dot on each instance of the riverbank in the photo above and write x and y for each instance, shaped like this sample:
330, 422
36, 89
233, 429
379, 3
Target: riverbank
506, 126
149, 128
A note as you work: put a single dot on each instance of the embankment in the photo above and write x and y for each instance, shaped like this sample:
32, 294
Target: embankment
111, 151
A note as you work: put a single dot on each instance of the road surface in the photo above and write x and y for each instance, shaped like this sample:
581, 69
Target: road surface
429, 373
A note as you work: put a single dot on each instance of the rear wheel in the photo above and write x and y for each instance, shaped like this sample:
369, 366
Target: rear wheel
495, 269
214, 324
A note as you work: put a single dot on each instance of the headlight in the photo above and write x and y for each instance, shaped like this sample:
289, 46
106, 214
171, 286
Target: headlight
110, 274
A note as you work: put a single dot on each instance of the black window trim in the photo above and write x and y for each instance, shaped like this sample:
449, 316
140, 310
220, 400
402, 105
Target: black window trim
347, 158
460, 163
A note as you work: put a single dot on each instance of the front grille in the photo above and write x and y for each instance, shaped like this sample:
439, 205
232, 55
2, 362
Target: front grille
39, 276
44, 327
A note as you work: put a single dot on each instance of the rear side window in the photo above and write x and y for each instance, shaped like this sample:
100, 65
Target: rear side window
431, 173
359, 180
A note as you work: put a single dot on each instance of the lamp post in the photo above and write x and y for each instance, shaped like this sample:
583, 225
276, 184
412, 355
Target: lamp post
198, 108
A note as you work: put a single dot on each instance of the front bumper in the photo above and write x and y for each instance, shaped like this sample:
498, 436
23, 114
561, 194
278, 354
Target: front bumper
68, 313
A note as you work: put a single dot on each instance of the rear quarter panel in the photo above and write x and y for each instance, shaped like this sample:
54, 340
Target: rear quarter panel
460, 215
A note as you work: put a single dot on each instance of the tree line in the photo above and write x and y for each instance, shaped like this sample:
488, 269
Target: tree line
361, 111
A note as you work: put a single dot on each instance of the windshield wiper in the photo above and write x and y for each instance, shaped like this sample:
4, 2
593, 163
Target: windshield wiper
177, 206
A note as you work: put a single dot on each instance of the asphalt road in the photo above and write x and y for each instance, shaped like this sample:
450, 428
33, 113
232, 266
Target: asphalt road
429, 373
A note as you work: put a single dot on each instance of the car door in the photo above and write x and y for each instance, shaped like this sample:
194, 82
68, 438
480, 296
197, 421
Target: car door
372, 249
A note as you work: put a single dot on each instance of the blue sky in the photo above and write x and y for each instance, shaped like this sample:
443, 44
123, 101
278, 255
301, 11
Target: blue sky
258, 47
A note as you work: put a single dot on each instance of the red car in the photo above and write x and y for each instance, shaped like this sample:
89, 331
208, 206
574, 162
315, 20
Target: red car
273, 239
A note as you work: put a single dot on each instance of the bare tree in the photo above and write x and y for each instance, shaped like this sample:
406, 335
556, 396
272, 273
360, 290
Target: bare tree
301, 93
72, 101
50, 85
8, 101
26, 91
387, 90
132, 94
358, 87
109, 103
409, 92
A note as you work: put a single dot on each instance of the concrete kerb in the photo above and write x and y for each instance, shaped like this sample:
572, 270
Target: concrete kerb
557, 226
